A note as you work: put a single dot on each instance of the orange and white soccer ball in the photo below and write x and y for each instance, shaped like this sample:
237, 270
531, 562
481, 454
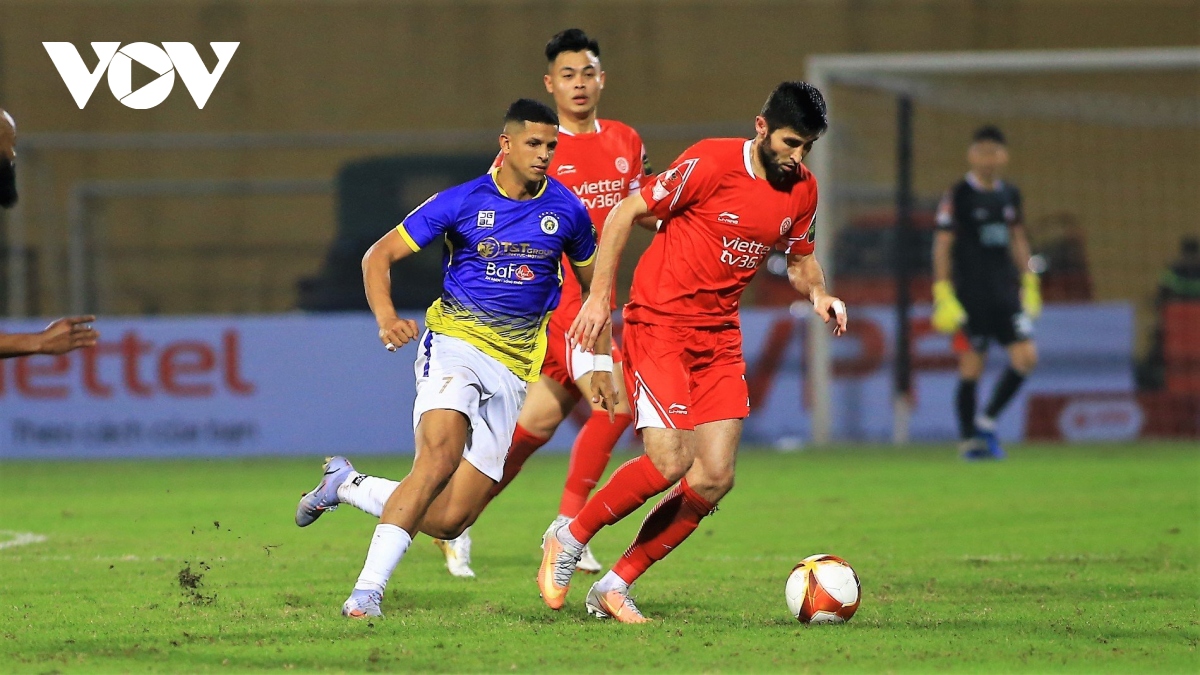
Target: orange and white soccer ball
823, 588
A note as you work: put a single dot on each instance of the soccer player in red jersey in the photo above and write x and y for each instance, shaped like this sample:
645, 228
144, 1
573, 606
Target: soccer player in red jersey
602, 161
725, 203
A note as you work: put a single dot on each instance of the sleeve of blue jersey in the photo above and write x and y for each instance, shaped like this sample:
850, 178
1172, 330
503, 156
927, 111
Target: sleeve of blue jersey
430, 219
581, 246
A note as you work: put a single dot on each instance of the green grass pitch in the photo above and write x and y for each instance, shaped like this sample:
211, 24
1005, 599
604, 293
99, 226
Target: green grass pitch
1079, 559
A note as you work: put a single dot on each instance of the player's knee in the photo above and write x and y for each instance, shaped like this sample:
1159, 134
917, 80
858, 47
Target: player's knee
438, 460
673, 465
712, 484
1025, 359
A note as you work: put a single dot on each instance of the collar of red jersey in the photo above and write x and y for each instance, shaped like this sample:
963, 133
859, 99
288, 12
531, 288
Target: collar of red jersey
746, 158
561, 130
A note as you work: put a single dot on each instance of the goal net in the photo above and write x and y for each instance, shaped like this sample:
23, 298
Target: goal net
1105, 148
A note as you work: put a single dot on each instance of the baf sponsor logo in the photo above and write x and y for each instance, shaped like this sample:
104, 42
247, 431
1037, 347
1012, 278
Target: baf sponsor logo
166, 61
511, 273
131, 367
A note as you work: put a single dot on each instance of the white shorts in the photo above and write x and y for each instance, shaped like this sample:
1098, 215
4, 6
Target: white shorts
452, 374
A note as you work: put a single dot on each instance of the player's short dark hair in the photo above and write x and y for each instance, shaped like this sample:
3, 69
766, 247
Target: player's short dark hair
571, 40
529, 110
988, 132
796, 105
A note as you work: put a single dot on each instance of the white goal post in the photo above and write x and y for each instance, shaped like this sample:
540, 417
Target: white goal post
886, 72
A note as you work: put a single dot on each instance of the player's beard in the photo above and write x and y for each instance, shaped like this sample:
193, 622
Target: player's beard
777, 176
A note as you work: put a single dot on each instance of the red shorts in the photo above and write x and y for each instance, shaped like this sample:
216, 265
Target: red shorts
680, 376
563, 364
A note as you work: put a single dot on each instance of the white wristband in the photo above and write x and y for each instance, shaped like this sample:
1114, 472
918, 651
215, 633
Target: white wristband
603, 362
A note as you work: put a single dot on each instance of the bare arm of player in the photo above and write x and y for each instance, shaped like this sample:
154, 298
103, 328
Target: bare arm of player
943, 242
807, 277
394, 332
595, 316
62, 336
604, 390
1020, 248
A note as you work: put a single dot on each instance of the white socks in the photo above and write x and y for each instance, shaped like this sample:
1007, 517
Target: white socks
985, 423
366, 493
387, 548
567, 539
612, 582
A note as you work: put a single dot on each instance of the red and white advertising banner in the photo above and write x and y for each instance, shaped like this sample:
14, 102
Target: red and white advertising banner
320, 384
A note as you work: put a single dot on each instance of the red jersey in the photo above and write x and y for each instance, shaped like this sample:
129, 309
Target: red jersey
719, 222
601, 168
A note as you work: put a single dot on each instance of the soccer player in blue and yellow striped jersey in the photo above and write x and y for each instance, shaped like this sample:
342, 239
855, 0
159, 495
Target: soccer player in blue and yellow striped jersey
505, 235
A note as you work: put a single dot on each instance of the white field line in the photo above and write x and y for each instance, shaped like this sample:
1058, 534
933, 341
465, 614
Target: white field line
20, 538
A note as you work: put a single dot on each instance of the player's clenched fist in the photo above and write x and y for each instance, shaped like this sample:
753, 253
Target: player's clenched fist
395, 333
591, 321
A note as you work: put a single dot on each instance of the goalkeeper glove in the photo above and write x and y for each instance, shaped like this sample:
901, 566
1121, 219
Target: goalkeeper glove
1031, 295
948, 312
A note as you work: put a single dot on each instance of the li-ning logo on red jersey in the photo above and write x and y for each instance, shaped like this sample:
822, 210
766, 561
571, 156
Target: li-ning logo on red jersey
677, 409
566, 169
728, 218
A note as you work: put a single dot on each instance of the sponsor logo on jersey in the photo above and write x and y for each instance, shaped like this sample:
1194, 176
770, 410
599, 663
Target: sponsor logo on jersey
742, 253
728, 218
601, 194
812, 230
491, 247
549, 223
486, 219
511, 273
785, 226
677, 409
622, 165
488, 248
566, 169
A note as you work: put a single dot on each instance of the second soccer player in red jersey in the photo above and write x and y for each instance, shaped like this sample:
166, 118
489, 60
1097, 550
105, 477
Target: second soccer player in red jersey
725, 203
602, 161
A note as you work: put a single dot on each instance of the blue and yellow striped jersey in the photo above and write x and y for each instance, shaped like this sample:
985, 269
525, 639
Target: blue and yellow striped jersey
501, 262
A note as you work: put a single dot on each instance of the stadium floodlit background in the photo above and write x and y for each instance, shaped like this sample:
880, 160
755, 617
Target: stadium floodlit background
220, 246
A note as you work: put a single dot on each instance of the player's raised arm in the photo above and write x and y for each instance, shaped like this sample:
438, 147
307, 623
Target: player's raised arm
807, 277
595, 314
394, 332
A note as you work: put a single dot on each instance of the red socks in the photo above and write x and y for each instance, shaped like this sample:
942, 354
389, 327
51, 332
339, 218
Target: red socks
523, 445
671, 521
589, 456
628, 488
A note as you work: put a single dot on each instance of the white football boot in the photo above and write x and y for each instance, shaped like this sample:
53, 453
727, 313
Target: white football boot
458, 554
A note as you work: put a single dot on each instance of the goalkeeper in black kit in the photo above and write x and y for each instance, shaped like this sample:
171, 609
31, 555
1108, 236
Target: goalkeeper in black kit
984, 287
